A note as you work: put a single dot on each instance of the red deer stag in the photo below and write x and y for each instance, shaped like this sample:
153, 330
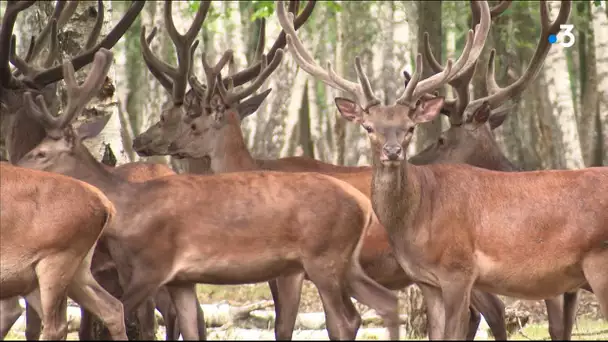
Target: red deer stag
500, 249
470, 140
223, 142
57, 237
223, 229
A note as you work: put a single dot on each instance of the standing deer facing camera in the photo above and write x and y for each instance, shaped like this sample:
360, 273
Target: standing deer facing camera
455, 226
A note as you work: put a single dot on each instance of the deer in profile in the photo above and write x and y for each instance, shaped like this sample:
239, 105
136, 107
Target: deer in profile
214, 135
175, 230
47, 243
490, 229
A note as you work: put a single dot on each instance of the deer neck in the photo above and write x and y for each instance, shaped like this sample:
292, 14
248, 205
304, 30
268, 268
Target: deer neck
22, 134
395, 194
89, 170
199, 166
230, 153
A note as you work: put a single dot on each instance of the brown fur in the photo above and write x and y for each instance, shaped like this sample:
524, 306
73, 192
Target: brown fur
376, 258
58, 235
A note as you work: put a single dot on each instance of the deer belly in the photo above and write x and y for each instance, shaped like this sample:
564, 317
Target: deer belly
16, 280
534, 278
228, 269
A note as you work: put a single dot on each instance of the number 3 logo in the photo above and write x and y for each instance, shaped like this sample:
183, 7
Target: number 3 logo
567, 34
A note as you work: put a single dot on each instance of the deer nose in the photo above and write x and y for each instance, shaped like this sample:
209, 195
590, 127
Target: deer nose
392, 152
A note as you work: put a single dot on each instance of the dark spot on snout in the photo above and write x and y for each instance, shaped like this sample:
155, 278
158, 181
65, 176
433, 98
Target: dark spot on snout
392, 151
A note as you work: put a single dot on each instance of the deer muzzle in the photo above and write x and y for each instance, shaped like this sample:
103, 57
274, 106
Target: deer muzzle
392, 152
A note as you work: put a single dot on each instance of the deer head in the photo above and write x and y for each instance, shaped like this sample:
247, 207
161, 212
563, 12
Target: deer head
21, 132
156, 139
62, 147
390, 128
470, 139
173, 79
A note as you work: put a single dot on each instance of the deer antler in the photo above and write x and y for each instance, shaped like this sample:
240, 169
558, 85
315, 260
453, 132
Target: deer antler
38, 78
6, 32
175, 79
250, 73
362, 90
227, 92
460, 82
497, 95
78, 96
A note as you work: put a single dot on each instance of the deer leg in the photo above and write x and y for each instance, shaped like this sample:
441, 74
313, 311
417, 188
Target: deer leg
339, 309
474, 320
493, 311
145, 316
286, 295
456, 294
54, 275
571, 300
594, 269
202, 327
87, 292
164, 304
555, 314
374, 295
10, 311
33, 312
184, 297
435, 311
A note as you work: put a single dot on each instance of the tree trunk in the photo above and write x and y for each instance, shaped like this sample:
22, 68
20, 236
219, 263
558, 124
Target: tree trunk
339, 129
600, 27
588, 79
429, 20
416, 320
556, 72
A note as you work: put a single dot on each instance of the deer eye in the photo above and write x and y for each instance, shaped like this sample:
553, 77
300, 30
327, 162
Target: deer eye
162, 119
368, 128
411, 129
441, 141
40, 155
193, 127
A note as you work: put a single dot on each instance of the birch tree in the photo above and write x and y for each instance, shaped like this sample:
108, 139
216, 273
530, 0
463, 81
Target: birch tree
558, 88
600, 27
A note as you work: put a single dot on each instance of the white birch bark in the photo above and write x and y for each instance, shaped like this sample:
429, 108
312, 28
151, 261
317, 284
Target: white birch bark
292, 117
600, 27
80, 26
558, 88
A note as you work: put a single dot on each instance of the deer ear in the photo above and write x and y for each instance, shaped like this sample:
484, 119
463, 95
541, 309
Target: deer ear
252, 104
497, 118
481, 114
93, 128
349, 110
428, 110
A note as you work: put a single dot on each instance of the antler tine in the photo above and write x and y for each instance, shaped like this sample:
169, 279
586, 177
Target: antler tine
6, 36
40, 111
249, 73
55, 74
62, 13
154, 64
473, 48
329, 77
182, 45
79, 96
499, 8
28, 69
175, 77
211, 74
231, 96
499, 95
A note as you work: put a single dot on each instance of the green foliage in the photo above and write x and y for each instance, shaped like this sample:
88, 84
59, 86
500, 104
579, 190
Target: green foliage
597, 3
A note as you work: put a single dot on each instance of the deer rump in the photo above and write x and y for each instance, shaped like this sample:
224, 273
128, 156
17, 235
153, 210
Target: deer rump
243, 227
477, 202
